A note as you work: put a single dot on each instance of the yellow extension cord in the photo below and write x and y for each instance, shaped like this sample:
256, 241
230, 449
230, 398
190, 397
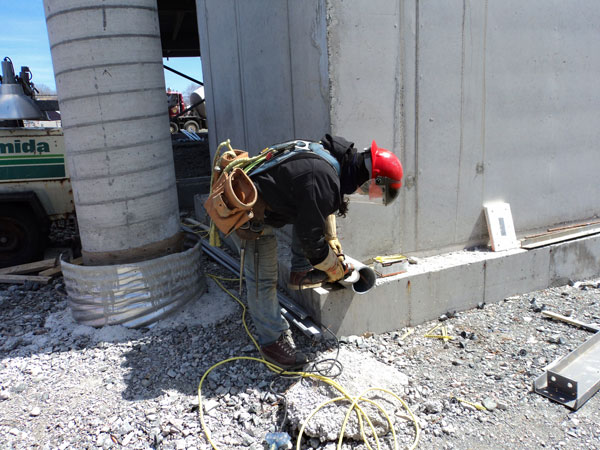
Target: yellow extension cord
354, 406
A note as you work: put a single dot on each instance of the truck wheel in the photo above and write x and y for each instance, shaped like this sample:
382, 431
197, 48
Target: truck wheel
20, 237
173, 127
191, 126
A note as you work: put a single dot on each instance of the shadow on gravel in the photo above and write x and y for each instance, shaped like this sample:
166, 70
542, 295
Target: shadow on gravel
177, 360
24, 310
172, 356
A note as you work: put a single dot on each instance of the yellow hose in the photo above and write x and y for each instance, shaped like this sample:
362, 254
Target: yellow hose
354, 406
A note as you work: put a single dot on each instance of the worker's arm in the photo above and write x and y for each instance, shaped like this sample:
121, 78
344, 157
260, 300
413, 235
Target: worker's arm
331, 234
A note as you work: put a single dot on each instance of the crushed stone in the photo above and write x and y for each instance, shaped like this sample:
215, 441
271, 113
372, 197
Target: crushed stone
66, 386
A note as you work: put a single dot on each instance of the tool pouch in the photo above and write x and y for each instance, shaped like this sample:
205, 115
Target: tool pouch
254, 228
231, 201
224, 161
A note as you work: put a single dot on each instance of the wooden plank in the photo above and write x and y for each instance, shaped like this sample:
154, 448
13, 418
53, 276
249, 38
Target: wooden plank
22, 269
586, 326
22, 279
559, 236
566, 227
56, 270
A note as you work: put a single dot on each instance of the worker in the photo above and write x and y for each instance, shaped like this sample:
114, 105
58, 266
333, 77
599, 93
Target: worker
306, 190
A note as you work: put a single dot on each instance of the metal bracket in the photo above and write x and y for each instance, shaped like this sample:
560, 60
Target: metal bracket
573, 379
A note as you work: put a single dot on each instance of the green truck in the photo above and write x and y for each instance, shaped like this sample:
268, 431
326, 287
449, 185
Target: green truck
34, 191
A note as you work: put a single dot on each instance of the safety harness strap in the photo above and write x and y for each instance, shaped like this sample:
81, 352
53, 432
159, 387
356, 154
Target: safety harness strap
289, 149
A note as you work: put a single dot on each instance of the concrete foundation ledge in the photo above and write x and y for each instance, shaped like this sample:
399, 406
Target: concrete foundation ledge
455, 281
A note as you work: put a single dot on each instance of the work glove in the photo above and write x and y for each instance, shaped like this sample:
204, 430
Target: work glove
334, 267
331, 235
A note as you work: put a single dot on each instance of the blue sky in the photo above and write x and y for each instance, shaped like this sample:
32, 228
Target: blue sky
24, 40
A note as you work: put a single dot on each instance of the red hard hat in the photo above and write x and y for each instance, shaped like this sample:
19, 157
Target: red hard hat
386, 178
386, 164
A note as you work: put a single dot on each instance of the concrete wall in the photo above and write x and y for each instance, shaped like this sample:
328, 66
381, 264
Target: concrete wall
264, 64
482, 101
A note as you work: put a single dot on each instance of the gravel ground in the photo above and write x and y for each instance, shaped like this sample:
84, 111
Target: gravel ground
67, 386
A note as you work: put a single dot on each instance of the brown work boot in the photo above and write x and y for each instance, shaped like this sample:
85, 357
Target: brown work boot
283, 352
306, 279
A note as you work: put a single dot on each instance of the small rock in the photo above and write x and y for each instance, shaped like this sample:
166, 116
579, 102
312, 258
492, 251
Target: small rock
489, 404
557, 340
433, 407
502, 406
449, 429
210, 404
35, 411
19, 388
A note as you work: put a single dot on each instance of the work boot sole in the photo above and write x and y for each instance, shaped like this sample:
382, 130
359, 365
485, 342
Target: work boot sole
293, 368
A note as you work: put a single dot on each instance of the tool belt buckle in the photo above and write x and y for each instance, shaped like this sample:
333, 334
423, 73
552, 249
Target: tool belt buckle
251, 230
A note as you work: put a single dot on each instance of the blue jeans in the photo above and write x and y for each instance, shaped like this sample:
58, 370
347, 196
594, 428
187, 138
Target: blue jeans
299, 261
262, 296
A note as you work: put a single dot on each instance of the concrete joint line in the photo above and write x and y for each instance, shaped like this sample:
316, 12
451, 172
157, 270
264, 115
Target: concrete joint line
158, 217
128, 198
119, 174
105, 66
102, 94
117, 147
130, 119
100, 8
102, 36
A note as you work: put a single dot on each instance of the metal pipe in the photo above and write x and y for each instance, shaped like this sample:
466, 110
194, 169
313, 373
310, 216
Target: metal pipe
183, 75
362, 280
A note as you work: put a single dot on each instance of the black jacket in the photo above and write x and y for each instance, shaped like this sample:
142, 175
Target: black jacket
303, 190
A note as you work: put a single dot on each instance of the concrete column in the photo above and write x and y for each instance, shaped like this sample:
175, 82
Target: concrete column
109, 77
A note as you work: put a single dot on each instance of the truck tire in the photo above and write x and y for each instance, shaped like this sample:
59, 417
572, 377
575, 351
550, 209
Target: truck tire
191, 126
173, 127
21, 239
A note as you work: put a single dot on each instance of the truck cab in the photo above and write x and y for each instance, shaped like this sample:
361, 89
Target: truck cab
34, 191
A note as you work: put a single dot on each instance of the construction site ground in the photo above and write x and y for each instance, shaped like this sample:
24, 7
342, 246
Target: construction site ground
68, 386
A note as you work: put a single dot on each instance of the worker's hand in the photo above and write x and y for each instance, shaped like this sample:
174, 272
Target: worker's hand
348, 269
333, 267
335, 245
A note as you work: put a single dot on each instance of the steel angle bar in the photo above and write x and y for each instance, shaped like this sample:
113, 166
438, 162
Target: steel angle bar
307, 326
293, 307
573, 379
301, 321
